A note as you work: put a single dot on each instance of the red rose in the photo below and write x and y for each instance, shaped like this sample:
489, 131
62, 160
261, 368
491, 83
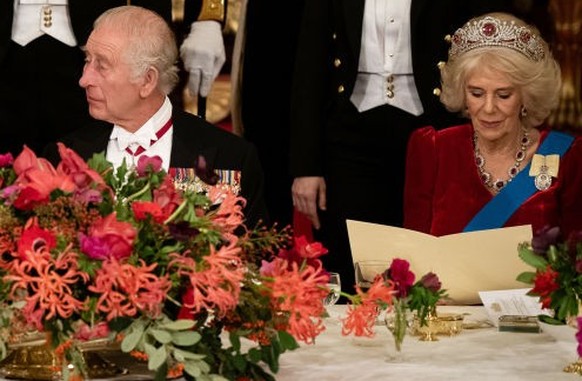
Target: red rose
309, 250
118, 236
167, 197
141, 210
401, 275
544, 284
33, 238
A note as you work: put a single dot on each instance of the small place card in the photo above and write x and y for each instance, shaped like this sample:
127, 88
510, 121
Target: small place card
510, 302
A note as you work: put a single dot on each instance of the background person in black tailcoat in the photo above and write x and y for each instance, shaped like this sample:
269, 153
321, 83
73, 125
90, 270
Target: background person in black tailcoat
263, 95
261, 76
353, 108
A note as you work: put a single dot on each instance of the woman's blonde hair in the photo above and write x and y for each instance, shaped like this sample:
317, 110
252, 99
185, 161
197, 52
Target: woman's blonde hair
538, 80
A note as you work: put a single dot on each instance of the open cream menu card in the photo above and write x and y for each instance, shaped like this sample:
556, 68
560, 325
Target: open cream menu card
466, 263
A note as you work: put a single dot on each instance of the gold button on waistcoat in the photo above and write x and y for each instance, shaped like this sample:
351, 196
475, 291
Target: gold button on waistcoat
436, 91
337, 62
441, 64
48, 18
340, 89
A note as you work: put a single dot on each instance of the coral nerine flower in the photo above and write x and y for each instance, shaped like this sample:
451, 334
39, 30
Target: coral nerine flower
50, 284
362, 314
126, 289
293, 290
215, 280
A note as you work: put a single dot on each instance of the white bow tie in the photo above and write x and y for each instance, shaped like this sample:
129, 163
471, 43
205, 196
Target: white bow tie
133, 142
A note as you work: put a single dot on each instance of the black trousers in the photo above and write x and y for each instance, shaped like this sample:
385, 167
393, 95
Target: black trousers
365, 167
40, 96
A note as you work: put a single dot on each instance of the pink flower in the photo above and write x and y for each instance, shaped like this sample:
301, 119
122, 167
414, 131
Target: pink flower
431, 282
86, 333
6, 160
167, 197
147, 164
109, 238
27, 159
401, 275
76, 168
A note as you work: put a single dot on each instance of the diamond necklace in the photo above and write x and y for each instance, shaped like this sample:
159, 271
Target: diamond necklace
486, 177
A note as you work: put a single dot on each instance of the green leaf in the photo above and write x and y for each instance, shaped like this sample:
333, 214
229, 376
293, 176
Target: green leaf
159, 357
149, 349
163, 337
178, 325
271, 358
255, 355
287, 341
526, 277
528, 256
192, 368
234, 341
239, 362
185, 338
216, 377
161, 373
132, 339
182, 355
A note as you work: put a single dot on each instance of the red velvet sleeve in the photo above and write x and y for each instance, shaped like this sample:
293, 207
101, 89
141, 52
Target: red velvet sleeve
421, 167
570, 202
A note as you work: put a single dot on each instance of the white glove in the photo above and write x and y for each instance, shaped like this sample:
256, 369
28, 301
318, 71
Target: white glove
203, 55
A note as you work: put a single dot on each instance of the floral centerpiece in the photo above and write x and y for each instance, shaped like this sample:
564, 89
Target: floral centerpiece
173, 275
557, 272
556, 280
395, 290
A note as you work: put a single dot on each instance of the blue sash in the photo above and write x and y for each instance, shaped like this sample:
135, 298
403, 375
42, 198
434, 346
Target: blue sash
497, 211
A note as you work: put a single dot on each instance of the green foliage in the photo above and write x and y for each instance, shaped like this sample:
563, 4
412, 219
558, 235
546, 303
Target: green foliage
556, 278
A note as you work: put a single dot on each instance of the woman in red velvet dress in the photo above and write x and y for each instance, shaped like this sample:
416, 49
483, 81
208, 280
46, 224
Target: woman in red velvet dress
504, 167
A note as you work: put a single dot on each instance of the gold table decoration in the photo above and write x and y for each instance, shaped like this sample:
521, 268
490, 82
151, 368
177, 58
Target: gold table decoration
575, 367
447, 324
35, 360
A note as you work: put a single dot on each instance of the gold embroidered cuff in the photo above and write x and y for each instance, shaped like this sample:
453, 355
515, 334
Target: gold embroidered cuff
213, 10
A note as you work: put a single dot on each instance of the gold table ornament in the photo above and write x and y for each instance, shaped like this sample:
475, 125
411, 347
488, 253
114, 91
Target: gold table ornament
35, 360
441, 324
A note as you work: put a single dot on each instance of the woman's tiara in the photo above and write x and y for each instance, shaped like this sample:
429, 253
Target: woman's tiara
491, 31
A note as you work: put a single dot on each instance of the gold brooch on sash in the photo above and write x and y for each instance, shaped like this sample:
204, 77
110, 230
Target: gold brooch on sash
544, 168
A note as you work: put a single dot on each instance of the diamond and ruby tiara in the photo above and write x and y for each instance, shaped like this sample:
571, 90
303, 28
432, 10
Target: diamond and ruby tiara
491, 31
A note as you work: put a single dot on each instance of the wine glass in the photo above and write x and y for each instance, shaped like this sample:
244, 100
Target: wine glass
366, 272
334, 285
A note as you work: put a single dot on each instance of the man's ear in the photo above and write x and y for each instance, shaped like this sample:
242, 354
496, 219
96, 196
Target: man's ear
150, 82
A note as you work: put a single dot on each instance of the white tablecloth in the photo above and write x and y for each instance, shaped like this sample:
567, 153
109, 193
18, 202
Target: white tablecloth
476, 354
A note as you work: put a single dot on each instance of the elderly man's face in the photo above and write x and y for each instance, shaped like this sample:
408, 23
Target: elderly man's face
111, 93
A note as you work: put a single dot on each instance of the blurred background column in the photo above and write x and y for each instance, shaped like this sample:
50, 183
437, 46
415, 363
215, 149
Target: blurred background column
567, 18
